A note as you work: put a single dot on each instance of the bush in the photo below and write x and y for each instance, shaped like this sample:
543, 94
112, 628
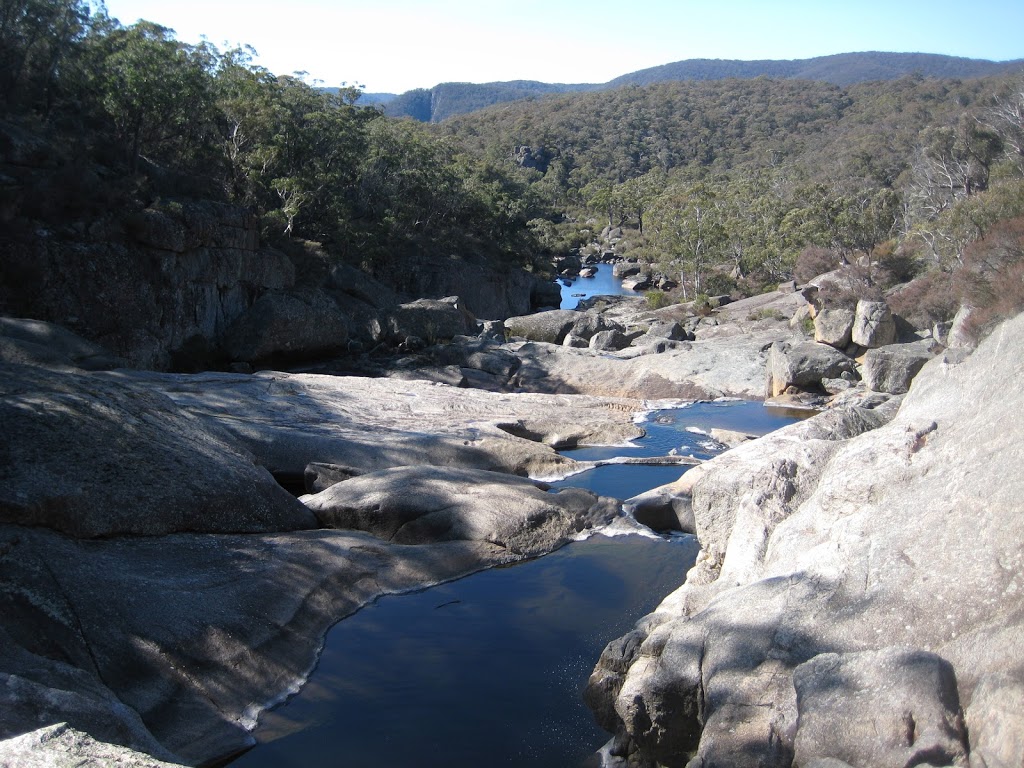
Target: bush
814, 261
657, 299
926, 300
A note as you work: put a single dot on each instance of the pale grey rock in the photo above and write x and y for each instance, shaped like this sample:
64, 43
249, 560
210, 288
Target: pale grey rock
574, 341
609, 341
961, 334
422, 505
94, 455
590, 323
842, 539
433, 320
887, 708
288, 421
803, 365
35, 342
61, 746
726, 364
285, 326
730, 437
195, 633
833, 327
625, 269
874, 325
320, 476
551, 327
638, 283
481, 355
891, 369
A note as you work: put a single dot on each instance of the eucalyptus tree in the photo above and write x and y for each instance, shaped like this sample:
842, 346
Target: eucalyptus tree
687, 229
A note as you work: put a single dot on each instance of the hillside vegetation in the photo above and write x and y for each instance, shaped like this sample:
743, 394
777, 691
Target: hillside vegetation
129, 117
725, 185
735, 185
449, 99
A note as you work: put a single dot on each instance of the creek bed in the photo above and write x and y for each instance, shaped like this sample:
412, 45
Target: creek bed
488, 670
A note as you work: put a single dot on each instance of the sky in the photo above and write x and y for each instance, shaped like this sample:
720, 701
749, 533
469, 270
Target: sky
392, 46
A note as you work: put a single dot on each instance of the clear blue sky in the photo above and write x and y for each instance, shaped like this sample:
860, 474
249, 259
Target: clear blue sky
396, 45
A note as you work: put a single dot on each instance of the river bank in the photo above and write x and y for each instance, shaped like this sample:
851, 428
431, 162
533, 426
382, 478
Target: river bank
163, 587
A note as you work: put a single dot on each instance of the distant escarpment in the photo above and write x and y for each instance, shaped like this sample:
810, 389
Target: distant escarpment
432, 105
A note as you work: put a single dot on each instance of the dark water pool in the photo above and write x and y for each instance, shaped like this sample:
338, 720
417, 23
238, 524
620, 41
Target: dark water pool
488, 670
484, 671
603, 284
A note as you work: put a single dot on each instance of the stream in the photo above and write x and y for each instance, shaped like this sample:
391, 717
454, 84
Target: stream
488, 670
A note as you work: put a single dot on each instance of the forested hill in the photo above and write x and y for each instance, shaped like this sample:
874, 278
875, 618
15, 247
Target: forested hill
448, 99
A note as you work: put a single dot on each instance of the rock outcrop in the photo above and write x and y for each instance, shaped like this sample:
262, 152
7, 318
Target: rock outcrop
160, 588
856, 571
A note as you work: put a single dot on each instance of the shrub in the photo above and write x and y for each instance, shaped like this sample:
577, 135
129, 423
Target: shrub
814, 261
926, 300
657, 299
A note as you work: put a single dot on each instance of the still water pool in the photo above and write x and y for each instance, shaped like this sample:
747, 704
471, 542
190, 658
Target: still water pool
604, 283
488, 670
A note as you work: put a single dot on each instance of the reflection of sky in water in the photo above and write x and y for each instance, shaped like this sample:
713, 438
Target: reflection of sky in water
682, 430
603, 284
486, 670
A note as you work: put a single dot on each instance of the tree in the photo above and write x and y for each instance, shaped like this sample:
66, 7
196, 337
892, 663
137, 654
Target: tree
157, 91
686, 225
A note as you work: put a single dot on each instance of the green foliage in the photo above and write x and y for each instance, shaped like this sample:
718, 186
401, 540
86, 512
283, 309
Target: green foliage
657, 299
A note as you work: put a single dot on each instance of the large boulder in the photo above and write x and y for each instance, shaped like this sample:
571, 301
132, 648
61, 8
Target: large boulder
891, 369
423, 504
432, 320
834, 326
95, 456
285, 326
551, 326
803, 365
874, 325
819, 620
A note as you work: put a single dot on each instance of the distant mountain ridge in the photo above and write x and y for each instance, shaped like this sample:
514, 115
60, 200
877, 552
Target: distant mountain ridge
448, 99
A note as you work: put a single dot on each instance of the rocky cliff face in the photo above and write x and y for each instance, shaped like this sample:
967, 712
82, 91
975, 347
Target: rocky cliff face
148, 285
858, 599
